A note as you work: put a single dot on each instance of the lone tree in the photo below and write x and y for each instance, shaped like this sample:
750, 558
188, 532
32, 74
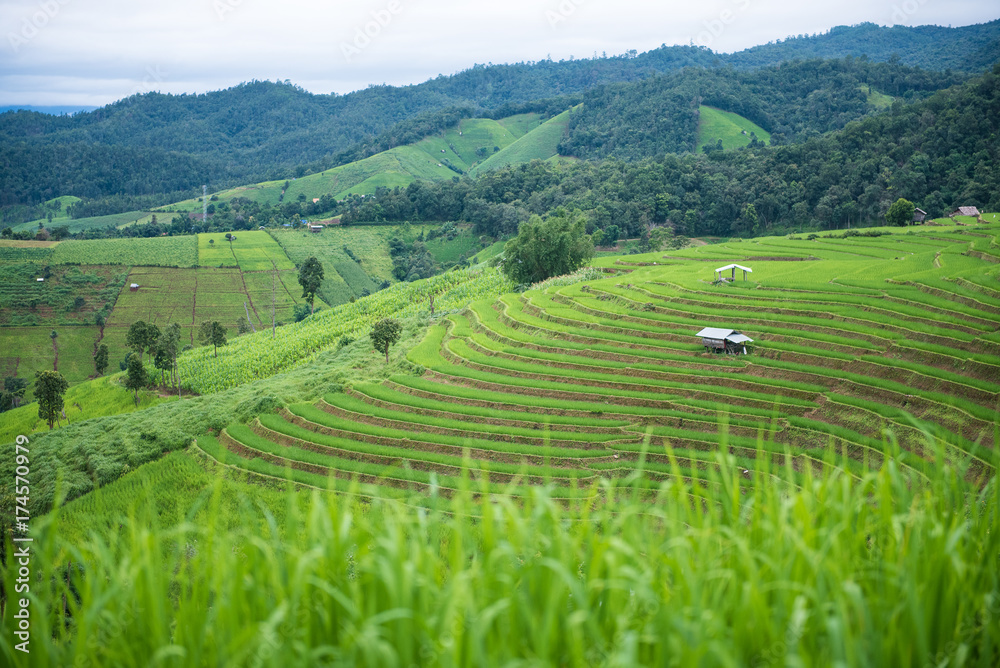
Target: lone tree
552, 247
49, 389
900, 213
384, 334
101, 359
136, 378
310, 278
212, 332
141, 336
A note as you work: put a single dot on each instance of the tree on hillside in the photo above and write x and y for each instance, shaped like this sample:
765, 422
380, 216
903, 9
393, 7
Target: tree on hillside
101, 359
49, 389
212, 332
171, 342
17, 387
551, 247
384, 334
310, 278
141, 336
900, 213
165, 351
136, 378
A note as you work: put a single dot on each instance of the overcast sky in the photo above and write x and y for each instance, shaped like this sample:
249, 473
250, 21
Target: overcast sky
92, 52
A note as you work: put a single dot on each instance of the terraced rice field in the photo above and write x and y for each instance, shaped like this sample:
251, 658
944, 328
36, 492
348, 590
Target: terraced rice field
872, 348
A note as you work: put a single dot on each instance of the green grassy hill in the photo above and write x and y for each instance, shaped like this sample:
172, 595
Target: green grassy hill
541, 143
433, 158
732, 129
75, 225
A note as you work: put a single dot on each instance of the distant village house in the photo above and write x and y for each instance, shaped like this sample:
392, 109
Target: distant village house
965, 211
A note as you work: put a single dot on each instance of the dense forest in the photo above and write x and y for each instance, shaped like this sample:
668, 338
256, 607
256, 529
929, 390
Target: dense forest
793, 102
939, 153
155, 143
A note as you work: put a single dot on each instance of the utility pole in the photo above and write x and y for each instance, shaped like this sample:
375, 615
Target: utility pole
274, 283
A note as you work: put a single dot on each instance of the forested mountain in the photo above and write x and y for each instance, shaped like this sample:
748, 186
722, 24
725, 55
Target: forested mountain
793, 101
940, 152
971, 48
261, 130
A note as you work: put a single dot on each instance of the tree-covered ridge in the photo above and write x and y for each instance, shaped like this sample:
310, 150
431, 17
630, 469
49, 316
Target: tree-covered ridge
261, 130
793, 101
970, 48
938, 153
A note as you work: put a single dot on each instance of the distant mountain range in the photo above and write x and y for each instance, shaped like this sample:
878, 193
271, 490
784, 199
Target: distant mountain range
155, 143
56, 110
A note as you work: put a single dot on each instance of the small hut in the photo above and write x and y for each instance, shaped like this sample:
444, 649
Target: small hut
315, 229
133, 287
729, 341
733, 268
965, 211
919, 215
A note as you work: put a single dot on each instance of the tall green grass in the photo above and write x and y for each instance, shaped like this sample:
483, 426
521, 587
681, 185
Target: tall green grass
887, 571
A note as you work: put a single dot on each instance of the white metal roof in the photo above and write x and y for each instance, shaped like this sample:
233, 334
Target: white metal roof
714, 333
738, 266
726, 334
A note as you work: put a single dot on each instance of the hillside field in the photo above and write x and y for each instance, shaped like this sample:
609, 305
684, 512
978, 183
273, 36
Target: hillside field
437, 157
251, 251
541, 143
853, 335
192, 296
345, 277
731, 128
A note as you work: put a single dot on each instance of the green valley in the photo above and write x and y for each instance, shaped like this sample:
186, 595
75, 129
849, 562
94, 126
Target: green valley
676, 358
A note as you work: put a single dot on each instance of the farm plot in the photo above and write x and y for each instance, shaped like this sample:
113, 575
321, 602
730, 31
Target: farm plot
16, 251
250, 251
371, 264
75, 225
25, 350
191, 296
179, 251
66, 295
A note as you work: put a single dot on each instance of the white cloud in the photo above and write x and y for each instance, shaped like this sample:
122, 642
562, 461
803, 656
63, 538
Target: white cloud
94, 52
